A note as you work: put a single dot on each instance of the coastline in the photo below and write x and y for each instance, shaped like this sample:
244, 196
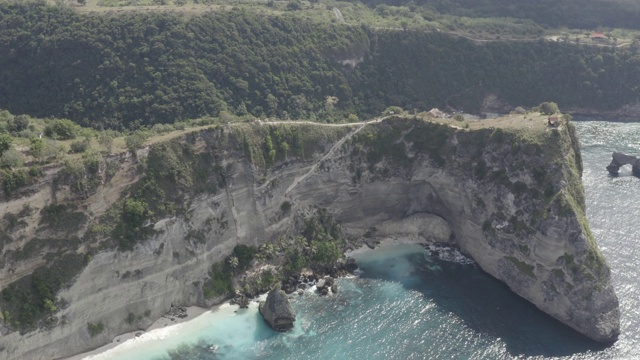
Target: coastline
164, 321
385, 242
192, 312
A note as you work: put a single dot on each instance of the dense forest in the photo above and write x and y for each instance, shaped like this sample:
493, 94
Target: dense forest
414, 70
128, 70
156, 68
582, 14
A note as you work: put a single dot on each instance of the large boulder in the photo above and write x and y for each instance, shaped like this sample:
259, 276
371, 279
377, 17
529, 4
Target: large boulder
277, 311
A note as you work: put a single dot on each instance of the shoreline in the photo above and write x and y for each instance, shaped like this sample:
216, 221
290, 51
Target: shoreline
386, 242
162, 322
192, 312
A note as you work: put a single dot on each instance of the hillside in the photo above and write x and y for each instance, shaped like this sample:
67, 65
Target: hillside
125, 70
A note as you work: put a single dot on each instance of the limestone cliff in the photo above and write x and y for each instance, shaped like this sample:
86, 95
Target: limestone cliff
506, 191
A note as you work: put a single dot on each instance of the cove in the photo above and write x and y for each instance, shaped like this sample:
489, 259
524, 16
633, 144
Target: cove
407, 302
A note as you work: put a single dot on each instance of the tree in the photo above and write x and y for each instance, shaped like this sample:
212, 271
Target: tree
135, 141
233, 262
285, 148
12, 159
37, 146
5, 142
458, 117
294, 5
18, 123
548, 108
106, 141
134, 213
393, 110
62, 129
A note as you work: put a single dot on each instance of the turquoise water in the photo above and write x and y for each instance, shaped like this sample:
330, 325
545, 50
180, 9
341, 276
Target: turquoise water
409, 304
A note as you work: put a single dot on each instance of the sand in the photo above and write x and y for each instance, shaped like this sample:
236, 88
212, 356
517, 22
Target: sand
164, 321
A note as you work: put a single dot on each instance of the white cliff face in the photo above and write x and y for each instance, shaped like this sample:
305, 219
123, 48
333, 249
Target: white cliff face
508, 202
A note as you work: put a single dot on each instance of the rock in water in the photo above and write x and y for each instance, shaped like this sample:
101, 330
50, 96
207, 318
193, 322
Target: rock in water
620, 159
277, 311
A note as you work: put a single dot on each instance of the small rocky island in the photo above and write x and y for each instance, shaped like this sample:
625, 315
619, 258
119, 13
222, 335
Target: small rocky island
620, 159
277, 311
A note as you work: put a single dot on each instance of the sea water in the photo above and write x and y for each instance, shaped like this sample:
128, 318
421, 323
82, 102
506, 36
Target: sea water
412, 303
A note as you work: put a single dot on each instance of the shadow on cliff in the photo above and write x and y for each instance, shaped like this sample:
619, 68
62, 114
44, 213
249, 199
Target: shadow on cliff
487, 306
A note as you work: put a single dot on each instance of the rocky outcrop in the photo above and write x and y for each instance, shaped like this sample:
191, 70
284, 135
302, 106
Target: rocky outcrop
620, 159
277, 311
507, 192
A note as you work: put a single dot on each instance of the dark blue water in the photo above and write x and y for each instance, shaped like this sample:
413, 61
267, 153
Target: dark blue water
408, 304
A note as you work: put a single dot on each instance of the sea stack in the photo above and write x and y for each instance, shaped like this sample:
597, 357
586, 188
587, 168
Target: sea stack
277, 311
620, 159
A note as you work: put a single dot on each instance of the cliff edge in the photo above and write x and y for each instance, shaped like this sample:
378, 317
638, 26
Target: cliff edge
507, 191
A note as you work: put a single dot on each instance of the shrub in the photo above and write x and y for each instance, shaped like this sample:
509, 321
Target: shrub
393, 110
12, 158
219, 282
78, 147
285, 207
548, 108
5, 142
62, 129
95, 328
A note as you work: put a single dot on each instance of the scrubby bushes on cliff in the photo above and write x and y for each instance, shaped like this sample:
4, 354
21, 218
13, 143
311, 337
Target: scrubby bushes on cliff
320, 245
14, 180
31, 301
173, 174
62, 218
265, 144
219, 282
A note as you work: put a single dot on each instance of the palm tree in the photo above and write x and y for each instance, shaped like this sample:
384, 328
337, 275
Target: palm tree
233, 262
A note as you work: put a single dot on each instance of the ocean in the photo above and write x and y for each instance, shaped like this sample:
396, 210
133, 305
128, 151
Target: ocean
408, 302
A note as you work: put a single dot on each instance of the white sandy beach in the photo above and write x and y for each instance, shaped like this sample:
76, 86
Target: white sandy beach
163, 322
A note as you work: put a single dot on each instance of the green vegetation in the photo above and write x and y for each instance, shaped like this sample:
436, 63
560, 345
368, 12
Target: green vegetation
31, 300
584, 14
62, 217
157, 68
95, 329
320, 245
219, 282
382, 142
266, 145
14, 180
173, 174
547, 108
162, 67
394, 138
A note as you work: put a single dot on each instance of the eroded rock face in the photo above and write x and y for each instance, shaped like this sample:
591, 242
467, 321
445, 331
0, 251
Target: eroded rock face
512, 200
277, 311
620, 159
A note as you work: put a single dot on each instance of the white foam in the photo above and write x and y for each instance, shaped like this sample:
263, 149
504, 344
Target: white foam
450, 254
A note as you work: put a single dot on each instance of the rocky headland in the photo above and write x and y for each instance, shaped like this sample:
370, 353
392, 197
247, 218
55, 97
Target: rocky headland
506, 191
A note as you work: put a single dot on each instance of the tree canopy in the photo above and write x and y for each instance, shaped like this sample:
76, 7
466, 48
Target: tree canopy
134, 69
